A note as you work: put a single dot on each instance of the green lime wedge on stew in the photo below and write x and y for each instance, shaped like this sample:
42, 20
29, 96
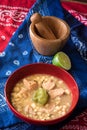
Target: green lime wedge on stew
61, 59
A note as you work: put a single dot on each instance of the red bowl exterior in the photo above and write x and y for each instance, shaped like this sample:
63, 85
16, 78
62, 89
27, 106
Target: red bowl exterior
47, 69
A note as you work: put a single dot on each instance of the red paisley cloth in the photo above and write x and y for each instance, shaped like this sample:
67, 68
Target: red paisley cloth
78, 123
77, 9
12, 14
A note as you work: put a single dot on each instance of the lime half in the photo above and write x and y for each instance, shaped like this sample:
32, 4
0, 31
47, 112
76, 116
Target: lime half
61, 59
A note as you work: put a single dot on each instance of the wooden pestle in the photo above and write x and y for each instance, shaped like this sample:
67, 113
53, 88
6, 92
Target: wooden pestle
42, 28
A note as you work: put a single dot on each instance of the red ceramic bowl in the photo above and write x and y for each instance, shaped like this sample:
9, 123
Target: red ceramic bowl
47, 69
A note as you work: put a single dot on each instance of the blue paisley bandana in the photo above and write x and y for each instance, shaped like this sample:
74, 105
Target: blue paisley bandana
20, 51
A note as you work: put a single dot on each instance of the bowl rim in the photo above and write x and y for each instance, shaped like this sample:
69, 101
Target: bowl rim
31, 30
34, 121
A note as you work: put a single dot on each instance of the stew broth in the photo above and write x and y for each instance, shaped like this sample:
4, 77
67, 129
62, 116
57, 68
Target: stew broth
59, 97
